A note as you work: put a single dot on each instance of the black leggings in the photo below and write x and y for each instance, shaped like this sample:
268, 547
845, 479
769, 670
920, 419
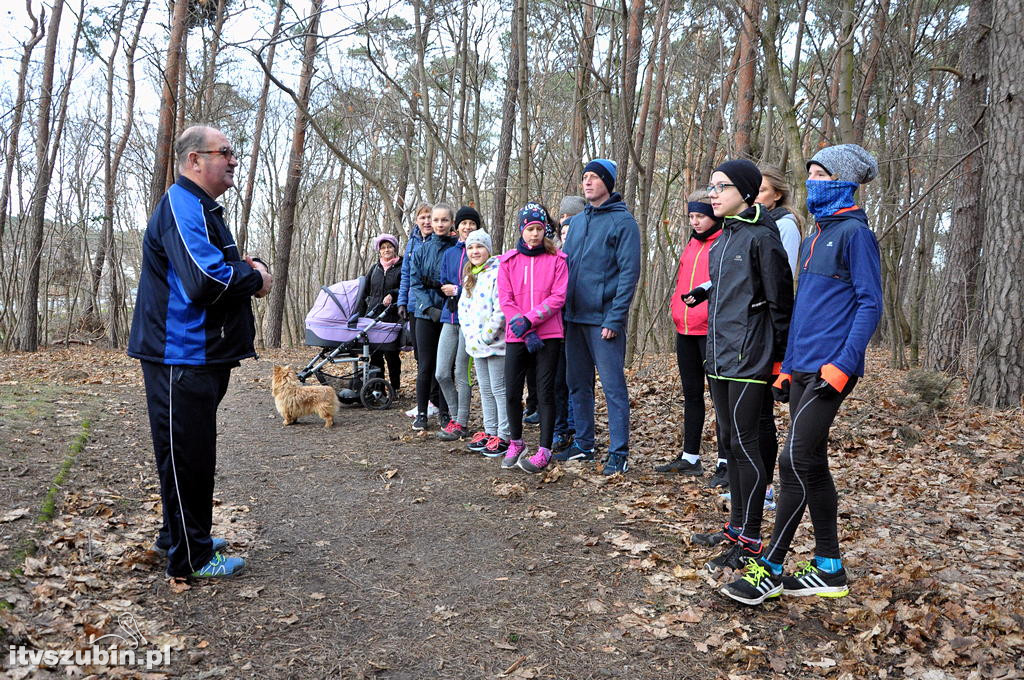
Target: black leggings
690, 353
517, 362
803, 470
738, 409
427, 334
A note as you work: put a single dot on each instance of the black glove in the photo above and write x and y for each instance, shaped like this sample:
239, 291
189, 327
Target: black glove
403, 312
430, 283
699, 295
452, 303
780, 389
825, 382
256, 259
433, 313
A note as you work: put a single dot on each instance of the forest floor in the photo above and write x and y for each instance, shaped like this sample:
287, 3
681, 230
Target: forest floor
376, 553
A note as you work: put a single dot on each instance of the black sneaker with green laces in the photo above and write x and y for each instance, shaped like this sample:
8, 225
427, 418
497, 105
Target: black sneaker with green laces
809, 580
757, 584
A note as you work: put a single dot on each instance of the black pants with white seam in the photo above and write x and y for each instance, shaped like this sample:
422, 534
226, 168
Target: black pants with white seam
518, 362
182, 402
428, 333
803, 470
738, 408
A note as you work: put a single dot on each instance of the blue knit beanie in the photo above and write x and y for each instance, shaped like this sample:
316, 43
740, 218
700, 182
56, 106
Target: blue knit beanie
606, 169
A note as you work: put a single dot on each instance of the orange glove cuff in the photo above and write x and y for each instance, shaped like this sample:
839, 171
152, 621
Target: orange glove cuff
777, 368
834, 377
783, 378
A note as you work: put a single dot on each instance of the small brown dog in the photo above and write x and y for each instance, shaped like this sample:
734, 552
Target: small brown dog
294, 400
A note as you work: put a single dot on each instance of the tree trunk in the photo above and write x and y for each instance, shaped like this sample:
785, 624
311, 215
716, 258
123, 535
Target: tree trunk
950, 334
28, 337
508, 122
165, 127
17, 113
580, 119
206, 95
257, 136
524, 107
632, 44
999, 381
747, 74
704, 174
275, 315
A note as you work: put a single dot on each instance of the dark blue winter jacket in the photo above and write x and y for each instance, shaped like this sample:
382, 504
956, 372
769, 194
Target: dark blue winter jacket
193, 304
416, 239
603, 249
425, 276
452, 263
838, 297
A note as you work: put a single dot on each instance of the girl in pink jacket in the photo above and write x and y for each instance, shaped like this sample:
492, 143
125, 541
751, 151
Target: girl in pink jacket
531, 289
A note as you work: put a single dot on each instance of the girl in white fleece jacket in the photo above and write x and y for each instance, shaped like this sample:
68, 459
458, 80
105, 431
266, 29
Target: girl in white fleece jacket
483, 326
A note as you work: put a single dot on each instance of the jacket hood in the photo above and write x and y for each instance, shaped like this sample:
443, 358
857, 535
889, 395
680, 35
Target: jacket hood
613, 204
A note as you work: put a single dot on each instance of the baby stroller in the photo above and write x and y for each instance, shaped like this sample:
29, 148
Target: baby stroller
333, 324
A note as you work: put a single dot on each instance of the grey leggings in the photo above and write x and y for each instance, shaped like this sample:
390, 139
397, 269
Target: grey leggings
451, 350
490, 373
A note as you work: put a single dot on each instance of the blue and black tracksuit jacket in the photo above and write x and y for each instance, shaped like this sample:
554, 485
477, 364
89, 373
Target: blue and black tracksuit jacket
193, 305
838, 297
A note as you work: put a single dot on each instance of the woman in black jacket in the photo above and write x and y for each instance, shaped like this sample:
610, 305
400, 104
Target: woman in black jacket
750, 299
382, 283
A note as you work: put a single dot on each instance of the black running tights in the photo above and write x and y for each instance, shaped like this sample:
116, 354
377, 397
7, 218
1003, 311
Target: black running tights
803, 470
738, 409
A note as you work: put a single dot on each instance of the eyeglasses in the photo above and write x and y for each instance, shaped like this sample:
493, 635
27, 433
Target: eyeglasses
718, 188
225, 151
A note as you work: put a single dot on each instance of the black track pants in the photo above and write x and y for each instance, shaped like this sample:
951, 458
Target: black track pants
518, 362
427, 334
738, 409
182, 402
803, 470
690, 350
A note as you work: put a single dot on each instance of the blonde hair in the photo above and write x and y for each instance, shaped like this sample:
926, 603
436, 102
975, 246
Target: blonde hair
777, 179
423, 207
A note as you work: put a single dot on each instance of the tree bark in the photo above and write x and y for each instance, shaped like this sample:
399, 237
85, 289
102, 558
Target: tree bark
168, 97
747, 73
580, 119
999, 380
950, 334
275, 315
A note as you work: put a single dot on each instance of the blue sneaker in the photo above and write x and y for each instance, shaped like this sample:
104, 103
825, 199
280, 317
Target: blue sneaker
615, 464
561, 442
532, 418
218, 545
574, 452
221, 567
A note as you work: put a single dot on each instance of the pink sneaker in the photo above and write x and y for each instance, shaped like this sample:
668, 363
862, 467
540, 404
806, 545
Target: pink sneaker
536, 462
516, 448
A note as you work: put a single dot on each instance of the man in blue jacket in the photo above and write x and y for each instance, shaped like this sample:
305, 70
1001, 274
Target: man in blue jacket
603, 248
193, 323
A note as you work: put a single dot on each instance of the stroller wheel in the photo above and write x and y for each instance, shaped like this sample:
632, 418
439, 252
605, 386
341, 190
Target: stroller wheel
377, 394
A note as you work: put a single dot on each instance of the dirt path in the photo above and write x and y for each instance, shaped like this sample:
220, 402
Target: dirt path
373, 552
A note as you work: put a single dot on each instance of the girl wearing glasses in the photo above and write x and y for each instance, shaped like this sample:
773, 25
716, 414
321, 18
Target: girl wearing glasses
750, 297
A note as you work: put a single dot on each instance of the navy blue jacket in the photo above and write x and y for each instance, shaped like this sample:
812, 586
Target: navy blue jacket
416, 240
603, 249
425, 276
193, 304
838, 298
452, 262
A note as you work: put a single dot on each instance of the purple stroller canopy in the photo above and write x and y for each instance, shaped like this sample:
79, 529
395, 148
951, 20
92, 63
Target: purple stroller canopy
327, 321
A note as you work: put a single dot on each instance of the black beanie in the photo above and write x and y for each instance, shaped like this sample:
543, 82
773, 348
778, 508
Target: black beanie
745, 175
468, 213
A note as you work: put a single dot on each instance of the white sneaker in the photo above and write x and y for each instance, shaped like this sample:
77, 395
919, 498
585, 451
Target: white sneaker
431, 410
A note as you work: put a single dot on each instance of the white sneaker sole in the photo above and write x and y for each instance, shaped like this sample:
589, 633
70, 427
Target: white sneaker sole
774, 592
